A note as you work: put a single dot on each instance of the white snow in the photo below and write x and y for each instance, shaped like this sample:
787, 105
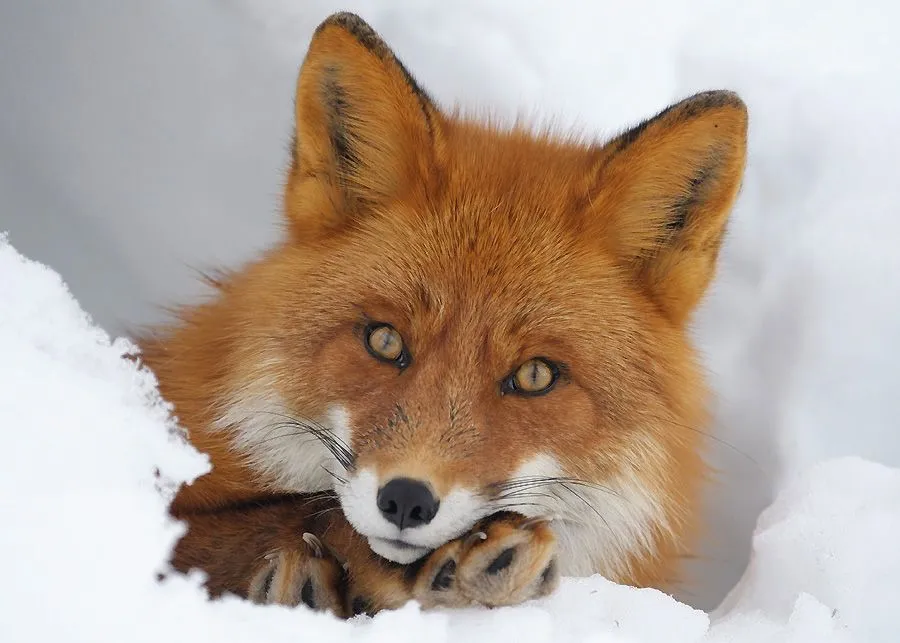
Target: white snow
84, 526
140, 140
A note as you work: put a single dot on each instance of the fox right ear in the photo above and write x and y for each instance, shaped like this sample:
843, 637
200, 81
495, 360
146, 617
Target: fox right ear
666, 188
364, 128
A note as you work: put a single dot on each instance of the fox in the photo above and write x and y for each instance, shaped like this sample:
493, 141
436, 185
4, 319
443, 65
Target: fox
465, 370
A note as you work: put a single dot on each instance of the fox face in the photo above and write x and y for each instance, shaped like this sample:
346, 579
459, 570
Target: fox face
463, 319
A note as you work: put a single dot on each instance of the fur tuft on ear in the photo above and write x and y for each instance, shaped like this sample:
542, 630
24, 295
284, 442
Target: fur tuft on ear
364, 128
663, 191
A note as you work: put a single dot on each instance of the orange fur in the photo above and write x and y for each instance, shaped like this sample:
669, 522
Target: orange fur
484, 248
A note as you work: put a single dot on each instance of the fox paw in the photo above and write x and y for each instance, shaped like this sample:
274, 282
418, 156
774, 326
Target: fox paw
505, 560
306, 574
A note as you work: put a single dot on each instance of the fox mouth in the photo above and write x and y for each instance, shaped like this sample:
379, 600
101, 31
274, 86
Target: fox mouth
397, 550
401, 544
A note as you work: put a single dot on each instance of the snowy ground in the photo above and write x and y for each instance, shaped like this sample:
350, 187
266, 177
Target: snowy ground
139, 140
85, 531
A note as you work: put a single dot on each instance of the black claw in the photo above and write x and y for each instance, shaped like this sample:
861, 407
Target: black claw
360, 606
549, 574
444, 578
267, 583
502, 561
307, 594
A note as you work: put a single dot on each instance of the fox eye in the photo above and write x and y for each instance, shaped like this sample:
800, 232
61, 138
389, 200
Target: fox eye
535, 377
384, 343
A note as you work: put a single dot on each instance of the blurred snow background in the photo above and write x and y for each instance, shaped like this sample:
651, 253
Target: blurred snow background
140, 140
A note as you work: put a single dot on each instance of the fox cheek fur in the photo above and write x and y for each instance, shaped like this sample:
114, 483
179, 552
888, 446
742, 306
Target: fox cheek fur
481, 248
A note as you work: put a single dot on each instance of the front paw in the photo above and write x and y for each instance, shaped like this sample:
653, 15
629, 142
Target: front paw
306, 573
505, 560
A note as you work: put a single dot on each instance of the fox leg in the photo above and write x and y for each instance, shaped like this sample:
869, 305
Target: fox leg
266, 552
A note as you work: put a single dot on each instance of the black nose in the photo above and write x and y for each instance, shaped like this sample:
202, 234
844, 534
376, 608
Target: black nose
407, 503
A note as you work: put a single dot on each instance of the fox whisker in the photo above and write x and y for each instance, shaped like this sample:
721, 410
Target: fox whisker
528, 486
528, 482
302, 426
334, 475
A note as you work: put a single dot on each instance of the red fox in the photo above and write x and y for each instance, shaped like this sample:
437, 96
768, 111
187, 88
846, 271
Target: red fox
465, 369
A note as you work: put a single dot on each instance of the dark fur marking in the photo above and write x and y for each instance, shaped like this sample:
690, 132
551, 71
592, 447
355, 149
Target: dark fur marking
360, 605
502, 561
685, 110
681, 210
369, 38
267, 583
359, 29
445, 576
680, 111
307, 594
623, 141
423, 96
549, 573
699, 103
338, 112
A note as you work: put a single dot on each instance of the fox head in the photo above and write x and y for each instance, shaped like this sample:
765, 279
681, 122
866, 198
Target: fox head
463, 319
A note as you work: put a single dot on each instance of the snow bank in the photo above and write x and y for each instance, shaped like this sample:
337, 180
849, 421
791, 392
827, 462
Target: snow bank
84, 529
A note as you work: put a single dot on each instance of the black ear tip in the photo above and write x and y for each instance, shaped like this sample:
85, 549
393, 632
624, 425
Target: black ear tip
343, 15
345, 20
687, 109
717, 97
711, 100
356, 27
723, 98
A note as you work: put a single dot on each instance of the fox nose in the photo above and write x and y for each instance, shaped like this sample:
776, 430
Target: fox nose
407, 503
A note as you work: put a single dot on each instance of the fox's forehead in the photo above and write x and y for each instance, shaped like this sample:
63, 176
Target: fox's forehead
455, 274
476, 240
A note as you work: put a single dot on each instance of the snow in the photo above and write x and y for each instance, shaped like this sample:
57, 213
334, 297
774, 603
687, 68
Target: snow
139, 141
92, 456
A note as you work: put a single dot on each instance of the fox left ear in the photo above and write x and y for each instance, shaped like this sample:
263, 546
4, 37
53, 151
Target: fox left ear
365, 130
666, 188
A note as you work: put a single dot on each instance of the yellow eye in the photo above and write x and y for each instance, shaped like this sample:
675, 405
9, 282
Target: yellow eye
534, 377
385, 343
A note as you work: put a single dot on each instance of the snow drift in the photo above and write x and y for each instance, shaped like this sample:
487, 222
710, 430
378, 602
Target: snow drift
91, 455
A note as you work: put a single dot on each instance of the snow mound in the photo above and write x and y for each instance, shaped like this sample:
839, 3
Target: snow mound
91, 456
